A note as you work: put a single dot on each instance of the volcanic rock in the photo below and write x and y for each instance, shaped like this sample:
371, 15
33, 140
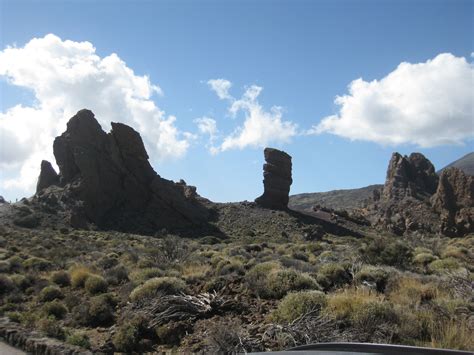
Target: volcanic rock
276, 179
107, 180
413, 176
454, 201
47, 177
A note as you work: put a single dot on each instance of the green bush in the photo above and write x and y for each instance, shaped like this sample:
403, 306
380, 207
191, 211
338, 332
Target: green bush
424, 258
100, 311
269, 280
296, 304
387, 252
142, 275
51, 328
79, 275
61, 278
6, 284
4, 267
50, 293
96, 284
157, 286
37, 264
55, 309
332, 275
117, 275
373, 274
372, 315
16, 263
441, 265
79, 339
21, 281
126, 338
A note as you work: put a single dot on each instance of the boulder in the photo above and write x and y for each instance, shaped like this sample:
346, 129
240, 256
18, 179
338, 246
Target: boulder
454, 201
47, 177
276, 179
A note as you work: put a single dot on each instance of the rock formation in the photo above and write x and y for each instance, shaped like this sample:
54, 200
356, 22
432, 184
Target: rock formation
115, 185
47, 177
454, 201
409, 176
276, 179
414, 198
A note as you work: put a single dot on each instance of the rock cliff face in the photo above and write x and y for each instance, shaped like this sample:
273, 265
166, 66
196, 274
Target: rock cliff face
409, 176
454, 201
109, 174
276, 179
414, 198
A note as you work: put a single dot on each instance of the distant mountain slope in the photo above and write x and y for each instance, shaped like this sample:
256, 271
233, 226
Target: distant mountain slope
466, 164
337, 199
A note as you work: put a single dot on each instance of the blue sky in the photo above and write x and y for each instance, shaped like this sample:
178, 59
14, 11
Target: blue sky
301, 53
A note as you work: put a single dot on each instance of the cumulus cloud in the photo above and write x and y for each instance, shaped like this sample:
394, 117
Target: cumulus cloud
208, 126
220, 87
260, 127
66, 76
427, 104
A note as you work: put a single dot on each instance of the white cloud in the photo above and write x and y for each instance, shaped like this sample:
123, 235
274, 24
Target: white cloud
208, 126
66, 76
427, 104
260, 127
220, 87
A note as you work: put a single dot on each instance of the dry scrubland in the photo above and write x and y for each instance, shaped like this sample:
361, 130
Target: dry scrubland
109, 291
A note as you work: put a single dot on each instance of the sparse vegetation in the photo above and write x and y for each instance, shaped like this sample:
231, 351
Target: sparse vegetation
353, 289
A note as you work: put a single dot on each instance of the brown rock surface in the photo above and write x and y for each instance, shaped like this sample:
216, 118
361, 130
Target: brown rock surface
107, 180
47, 177
276, 179
454, 201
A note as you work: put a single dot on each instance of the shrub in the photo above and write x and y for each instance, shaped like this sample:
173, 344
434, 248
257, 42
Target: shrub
51, 328
443, 265
157, 286
79, 275
55, 309
4, 267
296, 304
21, 281
126, 338
372, 315
108, 261
79, 339
100, 311
268, 280
50, 293
37, 264
96, 284
61, 278
6, 284
411, 292
332, 275
342, 305
16, 263
142, 275
283, 281
424, 258
452, 334
226, 267
387, 252
373, 274
117, 275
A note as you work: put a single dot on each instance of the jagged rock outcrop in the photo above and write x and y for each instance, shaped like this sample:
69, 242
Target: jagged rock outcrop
415, 199
106, 179
413, 176
454, 201
47, 177
276, 179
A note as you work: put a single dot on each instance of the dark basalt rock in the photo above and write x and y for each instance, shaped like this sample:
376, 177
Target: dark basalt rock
276, 179
454, 201
108, 181
47, 177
